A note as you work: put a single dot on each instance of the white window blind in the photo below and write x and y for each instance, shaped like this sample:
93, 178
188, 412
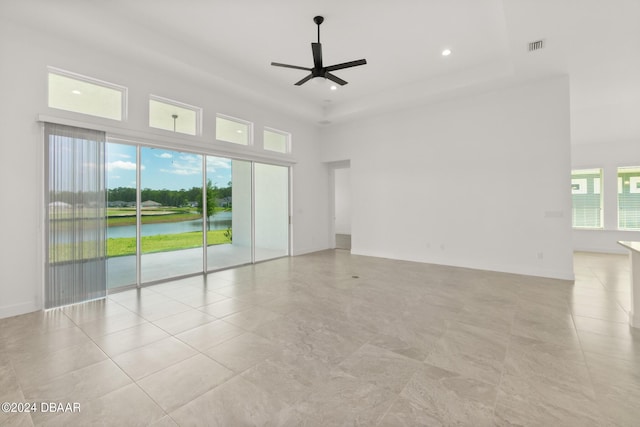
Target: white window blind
586, 193
629, 198
76, 215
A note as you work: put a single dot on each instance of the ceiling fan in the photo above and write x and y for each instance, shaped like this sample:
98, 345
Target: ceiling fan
319, 70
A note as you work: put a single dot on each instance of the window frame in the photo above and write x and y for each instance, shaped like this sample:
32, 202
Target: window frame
124, 91
197, 110
250, 141
287, 135
585, 171
620, 187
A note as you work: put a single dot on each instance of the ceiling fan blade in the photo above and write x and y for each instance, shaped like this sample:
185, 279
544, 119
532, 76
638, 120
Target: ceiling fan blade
346, 65
306, 79
277, 64
335, 79
316, 48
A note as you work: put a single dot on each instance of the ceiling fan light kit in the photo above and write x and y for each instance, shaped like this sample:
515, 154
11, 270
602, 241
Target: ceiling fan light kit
319, 70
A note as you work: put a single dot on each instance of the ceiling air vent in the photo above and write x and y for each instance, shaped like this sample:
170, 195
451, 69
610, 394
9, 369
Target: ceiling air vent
536, 45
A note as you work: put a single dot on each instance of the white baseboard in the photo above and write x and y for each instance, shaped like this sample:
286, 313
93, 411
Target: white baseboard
634, 320
305, 251
525, 270
17, 309
600, 250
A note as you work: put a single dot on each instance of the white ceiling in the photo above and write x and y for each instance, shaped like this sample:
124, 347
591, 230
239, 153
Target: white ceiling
232, 43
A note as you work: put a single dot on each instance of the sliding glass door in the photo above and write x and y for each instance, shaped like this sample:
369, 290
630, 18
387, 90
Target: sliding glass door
229, 221
271, 211
122, 186
171, 213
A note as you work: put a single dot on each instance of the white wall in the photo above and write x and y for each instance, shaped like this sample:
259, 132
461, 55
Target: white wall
23, 77
342, 185
608, 155
479, 182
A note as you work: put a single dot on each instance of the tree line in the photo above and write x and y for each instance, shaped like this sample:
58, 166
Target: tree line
166, 197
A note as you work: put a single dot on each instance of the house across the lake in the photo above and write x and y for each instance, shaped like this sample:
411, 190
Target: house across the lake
150, 204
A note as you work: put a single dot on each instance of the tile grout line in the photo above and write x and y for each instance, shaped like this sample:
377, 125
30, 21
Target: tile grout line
584, 359
123, 371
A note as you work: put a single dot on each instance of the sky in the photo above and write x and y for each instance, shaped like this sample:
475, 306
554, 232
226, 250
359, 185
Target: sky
163, 169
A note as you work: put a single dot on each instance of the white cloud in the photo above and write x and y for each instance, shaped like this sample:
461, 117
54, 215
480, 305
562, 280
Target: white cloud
121, 164
214, 163
190, 158
185, 164
181, 170
165, 156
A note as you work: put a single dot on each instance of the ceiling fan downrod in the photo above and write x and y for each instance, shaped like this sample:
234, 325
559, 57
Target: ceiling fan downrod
318, 20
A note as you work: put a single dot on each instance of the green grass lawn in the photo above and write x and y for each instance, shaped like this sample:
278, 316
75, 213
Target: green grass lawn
164, 242
159, 243
127, 245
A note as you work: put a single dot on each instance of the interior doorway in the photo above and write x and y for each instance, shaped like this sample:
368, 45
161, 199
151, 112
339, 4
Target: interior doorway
342, 206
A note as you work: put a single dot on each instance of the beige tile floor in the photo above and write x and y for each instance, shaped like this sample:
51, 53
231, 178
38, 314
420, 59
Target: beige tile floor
334, 339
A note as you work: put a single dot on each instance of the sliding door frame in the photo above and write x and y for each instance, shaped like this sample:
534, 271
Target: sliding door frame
140, 143
138, 215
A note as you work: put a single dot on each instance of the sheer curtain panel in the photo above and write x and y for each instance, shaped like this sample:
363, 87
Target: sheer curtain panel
75, 215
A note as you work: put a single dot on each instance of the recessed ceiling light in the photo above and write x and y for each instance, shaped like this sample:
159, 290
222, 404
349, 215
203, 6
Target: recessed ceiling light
446, 52
76, 92
333, 87
238, 131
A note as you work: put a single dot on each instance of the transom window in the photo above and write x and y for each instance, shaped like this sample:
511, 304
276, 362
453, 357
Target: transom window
174, 116
73, 92
233, 130
275, 140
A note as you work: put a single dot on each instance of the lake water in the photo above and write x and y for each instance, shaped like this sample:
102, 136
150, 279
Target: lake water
219, 221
